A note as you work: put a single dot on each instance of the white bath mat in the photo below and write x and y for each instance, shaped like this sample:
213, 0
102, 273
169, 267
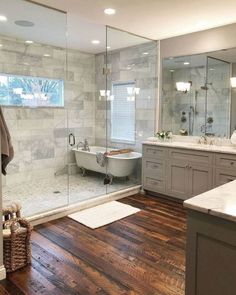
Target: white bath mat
103, 214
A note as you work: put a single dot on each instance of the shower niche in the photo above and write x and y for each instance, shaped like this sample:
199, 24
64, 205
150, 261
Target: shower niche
197, 97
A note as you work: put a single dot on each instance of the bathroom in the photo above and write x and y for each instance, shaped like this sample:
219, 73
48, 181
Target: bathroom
88, 76
100, 117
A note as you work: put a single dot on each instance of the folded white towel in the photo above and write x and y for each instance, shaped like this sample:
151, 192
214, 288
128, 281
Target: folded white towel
101, 159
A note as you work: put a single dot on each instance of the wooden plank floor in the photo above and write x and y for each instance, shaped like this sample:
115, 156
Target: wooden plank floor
142, 254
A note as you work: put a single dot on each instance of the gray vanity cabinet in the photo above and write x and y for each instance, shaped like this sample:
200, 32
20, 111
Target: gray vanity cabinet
175, 172
225, 169
177, 176
200, 179
184, 173
186, 179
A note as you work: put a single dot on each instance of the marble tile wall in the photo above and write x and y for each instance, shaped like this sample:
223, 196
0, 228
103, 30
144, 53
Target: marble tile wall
129, 64
40, 135
214, 103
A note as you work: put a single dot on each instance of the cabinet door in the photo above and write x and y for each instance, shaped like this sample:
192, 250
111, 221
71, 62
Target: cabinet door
200, 179
223, 176
177, 179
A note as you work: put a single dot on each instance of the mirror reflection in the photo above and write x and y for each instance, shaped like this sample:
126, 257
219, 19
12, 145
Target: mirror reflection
199, 94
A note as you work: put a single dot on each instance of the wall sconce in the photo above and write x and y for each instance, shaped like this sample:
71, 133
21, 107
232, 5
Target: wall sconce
233, 82
106, 95
133, 90
183, 86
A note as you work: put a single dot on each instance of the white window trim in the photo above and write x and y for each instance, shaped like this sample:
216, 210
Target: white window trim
62, 106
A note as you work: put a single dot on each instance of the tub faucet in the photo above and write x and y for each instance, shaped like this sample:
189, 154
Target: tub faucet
84, 144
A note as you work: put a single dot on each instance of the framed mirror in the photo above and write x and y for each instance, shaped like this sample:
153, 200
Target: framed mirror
199, 94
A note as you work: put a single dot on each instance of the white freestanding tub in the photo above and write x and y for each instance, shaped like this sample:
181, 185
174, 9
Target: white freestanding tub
121, 165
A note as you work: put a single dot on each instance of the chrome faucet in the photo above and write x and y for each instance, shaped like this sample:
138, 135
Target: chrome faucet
203, 140
84, 144
206, 140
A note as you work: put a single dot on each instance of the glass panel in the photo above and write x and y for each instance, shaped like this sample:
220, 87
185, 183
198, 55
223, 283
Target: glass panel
131, 102
33, 67
217, 98
86, 108
183, 94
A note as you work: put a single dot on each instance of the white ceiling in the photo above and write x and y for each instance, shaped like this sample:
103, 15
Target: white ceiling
50, 27
155, 19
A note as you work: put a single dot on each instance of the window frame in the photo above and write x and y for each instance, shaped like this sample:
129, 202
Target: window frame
62, 106
118, 140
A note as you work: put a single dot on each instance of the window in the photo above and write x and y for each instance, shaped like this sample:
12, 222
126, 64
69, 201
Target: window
123, 112
18, 90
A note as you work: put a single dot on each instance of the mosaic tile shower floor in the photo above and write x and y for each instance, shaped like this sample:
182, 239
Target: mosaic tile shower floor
43, 195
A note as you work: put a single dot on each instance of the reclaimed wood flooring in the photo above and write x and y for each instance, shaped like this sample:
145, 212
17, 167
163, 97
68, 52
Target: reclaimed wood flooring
142, 254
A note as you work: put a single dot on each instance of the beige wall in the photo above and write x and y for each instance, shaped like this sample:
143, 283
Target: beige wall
199, 42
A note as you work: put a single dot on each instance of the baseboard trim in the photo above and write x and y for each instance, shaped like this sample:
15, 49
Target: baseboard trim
64, 211
2, 272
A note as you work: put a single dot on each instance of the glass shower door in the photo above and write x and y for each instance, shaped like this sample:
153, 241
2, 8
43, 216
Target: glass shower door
131, 104
33, 66
217, 121
86, 110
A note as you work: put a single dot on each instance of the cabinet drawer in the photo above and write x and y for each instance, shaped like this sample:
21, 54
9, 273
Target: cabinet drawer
153, 184
223, 176
191, 156
226, 161
154, 168
150, 151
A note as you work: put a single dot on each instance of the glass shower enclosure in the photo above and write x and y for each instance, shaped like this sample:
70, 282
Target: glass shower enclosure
77, 117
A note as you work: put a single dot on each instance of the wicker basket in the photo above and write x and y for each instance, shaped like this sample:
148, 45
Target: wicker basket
16, 240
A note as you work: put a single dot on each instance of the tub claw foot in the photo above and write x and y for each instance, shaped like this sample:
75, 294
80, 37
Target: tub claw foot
111, 177
83, 170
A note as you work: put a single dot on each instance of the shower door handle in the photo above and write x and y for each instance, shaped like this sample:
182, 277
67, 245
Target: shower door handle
71, 139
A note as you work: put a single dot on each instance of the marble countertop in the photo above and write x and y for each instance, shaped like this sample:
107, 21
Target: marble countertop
227, 149
220, 202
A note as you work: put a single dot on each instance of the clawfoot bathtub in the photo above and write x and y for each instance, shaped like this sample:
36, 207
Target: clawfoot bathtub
121, 165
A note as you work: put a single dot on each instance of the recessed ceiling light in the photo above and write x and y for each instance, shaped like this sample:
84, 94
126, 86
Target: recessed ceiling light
95, 42
186, 63
1, 45
29, 42
211, 69
3, 18
145, 53
46, 55
172, 71
108, 47
24, 23
110, 11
